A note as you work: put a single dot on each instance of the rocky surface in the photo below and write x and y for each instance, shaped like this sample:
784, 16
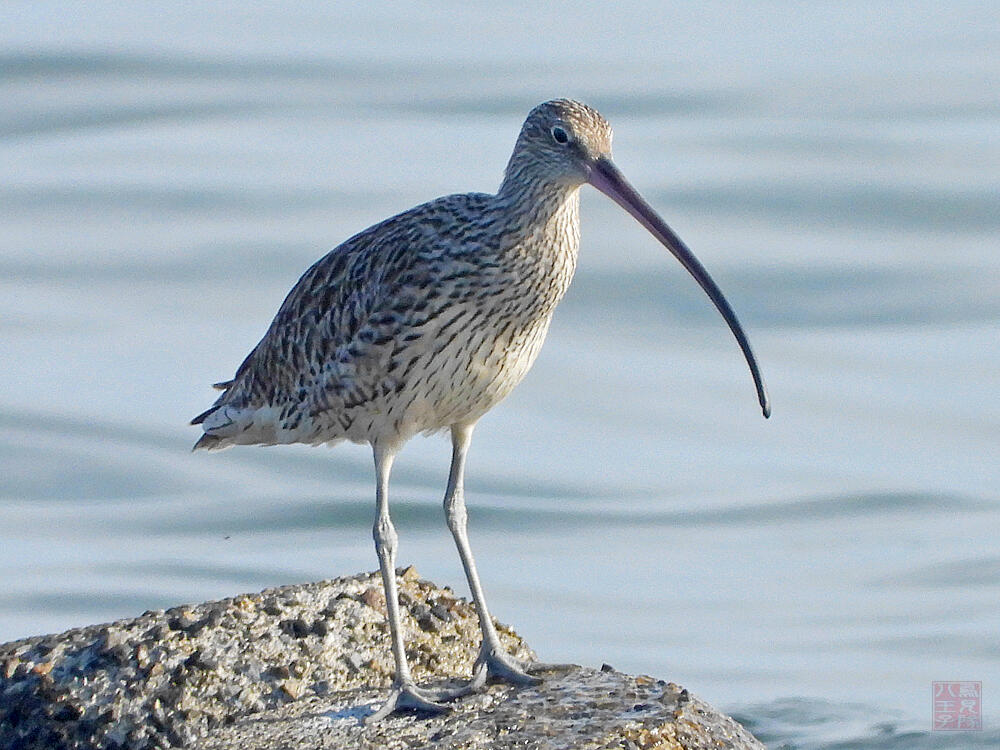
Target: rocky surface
575, 709
300, 666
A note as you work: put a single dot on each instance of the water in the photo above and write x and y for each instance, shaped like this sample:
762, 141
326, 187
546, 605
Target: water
166, 173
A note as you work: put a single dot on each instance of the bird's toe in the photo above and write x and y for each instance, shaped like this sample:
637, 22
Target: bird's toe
496, 663
407, 697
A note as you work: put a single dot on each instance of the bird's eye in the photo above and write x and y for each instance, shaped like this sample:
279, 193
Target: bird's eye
559, 135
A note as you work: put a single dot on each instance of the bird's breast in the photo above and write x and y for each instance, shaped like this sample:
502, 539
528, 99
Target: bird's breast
469, 321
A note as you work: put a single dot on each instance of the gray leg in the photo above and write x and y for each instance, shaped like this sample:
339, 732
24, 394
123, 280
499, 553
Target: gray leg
405, 693
493, 658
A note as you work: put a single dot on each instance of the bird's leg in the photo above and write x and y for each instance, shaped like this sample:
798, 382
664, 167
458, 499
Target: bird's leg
405, 693
493, 658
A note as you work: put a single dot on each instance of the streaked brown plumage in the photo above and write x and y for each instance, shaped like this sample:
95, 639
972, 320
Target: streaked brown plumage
428, 320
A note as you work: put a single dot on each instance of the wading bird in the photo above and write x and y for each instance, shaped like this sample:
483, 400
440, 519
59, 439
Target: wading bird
425, 322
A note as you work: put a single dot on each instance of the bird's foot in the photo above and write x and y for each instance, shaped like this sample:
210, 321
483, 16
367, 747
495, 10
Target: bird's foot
494, 662
408, 697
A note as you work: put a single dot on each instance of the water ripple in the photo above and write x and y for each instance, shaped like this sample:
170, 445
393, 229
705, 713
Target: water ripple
854, 205
808, 724
803, 297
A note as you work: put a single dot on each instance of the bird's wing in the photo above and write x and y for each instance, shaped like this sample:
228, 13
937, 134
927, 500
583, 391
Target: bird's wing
331, 337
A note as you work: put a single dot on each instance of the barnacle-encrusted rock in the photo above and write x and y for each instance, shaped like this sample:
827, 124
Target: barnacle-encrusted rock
300, 666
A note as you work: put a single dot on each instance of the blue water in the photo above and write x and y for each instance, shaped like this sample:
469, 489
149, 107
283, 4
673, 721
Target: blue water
167, 172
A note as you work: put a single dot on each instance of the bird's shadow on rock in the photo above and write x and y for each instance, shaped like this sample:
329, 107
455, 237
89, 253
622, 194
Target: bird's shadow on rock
350, 713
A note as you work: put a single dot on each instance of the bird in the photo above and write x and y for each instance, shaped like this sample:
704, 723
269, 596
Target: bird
423, 323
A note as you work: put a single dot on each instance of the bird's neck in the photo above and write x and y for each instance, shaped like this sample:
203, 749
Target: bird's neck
541, 219
539, 243
524, 186
530, 198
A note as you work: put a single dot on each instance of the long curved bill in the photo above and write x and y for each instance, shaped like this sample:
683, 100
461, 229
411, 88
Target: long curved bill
606, 177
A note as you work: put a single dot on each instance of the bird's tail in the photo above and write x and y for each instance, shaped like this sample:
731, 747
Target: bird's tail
211, 443
223, 423
205, 414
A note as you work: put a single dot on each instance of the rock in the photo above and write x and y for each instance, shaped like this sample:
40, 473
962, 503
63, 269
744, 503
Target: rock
300, 666
576, 708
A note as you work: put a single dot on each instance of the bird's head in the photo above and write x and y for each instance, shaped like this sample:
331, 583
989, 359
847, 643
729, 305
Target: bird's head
560, 142
565, 144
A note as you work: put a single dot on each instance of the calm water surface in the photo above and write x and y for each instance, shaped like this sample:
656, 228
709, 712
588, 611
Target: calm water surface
166, 173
